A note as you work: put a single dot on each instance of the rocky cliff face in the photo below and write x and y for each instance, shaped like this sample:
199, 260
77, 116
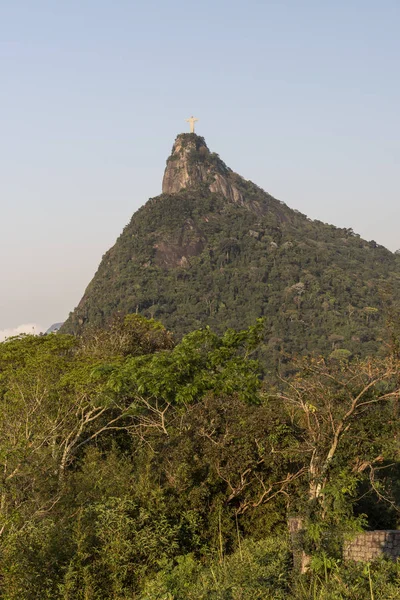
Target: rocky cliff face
191, 164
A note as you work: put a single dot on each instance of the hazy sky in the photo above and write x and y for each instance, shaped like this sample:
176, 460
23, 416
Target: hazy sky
300, 96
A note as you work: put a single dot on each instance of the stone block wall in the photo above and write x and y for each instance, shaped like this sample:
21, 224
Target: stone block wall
371, 545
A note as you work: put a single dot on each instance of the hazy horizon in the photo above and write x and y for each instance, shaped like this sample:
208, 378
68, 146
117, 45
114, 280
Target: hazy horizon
302, 100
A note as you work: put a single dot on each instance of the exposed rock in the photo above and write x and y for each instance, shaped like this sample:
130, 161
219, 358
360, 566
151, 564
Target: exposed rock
191, 164
176, 252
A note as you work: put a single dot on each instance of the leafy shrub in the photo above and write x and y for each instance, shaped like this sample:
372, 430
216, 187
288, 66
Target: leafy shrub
256, 571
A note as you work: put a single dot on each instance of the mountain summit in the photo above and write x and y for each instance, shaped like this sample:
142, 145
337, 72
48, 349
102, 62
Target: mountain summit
191, 164
215, 249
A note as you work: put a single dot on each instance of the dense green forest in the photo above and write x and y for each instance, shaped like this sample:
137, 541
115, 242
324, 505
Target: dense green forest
233, 368
135, 466
199, 257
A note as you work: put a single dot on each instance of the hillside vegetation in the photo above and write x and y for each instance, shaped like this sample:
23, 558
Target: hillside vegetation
225, 258
133, 467
235, 369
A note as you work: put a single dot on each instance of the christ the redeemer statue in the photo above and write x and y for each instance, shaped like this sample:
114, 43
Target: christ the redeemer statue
192, 121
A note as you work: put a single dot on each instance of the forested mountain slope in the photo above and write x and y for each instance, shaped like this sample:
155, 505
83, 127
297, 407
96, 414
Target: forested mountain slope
214, 249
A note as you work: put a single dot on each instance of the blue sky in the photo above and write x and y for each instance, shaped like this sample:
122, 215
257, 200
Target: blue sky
301, 97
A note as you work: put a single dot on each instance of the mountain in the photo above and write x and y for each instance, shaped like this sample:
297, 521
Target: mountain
54, 328
215, 249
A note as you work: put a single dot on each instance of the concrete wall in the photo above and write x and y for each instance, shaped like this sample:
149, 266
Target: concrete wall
372, 545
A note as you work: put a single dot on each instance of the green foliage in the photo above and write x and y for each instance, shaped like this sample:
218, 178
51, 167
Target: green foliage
340, 354
30, 561
257, 571
136, 467
349, 581
200, 363
116, 544
130, 335
194, 259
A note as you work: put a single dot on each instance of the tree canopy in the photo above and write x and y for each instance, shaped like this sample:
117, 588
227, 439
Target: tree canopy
134, 466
